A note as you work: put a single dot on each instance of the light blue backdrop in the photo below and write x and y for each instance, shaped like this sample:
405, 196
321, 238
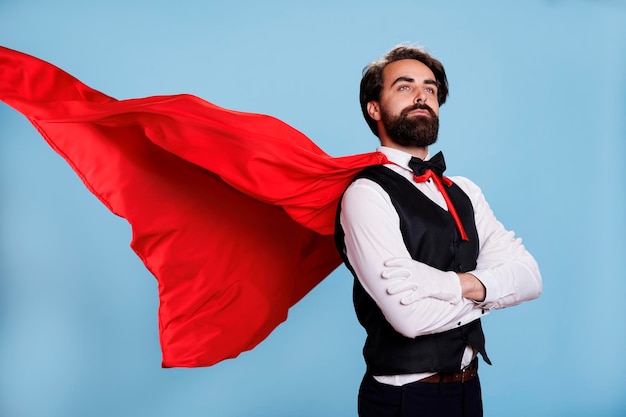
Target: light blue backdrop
536, 117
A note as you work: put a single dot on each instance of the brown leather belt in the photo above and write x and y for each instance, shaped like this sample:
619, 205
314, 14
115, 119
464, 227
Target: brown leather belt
463, 375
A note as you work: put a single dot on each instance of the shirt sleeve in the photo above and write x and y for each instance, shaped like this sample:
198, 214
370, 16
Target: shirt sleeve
508, 271
372, 235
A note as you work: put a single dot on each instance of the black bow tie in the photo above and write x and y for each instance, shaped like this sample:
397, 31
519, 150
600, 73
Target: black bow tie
437, 164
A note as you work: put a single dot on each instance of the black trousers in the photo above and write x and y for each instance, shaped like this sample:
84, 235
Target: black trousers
420, 399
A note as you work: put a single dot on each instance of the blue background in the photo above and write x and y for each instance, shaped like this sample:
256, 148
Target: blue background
536, 117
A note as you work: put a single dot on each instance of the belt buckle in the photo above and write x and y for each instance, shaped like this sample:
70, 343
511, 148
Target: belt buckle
463, 371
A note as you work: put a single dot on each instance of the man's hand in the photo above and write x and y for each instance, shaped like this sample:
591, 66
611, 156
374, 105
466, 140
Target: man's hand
471, 287
419, 281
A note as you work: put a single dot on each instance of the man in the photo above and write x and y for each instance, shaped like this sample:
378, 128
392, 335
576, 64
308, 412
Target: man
428, 256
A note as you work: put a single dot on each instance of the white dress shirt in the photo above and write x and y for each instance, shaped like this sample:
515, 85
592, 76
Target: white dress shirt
372, 235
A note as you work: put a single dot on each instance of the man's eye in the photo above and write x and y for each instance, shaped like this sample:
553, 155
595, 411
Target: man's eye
404, 88
429, 90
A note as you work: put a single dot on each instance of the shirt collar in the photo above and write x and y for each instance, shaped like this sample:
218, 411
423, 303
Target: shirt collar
398, 157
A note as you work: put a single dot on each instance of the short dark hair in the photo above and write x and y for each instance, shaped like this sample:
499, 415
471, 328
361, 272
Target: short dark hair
372, 80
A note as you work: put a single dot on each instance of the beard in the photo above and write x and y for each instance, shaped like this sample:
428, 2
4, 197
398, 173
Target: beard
415, 131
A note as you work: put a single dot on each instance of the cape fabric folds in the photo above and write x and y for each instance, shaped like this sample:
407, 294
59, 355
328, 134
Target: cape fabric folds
232, 212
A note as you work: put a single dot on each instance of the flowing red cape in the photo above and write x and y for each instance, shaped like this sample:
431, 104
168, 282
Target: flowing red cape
232, 212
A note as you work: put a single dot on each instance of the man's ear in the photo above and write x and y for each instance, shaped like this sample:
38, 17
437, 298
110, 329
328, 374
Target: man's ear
373, 109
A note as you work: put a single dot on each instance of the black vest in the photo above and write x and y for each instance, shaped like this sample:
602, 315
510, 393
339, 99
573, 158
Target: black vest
431, 236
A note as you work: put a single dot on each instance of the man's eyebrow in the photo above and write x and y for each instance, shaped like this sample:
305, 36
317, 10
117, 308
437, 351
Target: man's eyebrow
412, 80
401, 79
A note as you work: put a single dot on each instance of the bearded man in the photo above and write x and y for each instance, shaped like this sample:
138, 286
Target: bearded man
428, 256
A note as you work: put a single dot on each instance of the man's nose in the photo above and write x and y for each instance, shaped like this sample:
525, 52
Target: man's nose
420, 97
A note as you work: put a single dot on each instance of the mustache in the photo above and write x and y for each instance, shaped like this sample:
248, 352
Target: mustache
418, 106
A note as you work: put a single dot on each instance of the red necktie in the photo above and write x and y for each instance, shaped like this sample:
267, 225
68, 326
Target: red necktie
434, 168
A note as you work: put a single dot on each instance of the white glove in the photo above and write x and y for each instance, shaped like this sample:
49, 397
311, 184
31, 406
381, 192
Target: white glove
420, 281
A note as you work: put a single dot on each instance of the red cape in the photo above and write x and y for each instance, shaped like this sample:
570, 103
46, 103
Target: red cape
232, 212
